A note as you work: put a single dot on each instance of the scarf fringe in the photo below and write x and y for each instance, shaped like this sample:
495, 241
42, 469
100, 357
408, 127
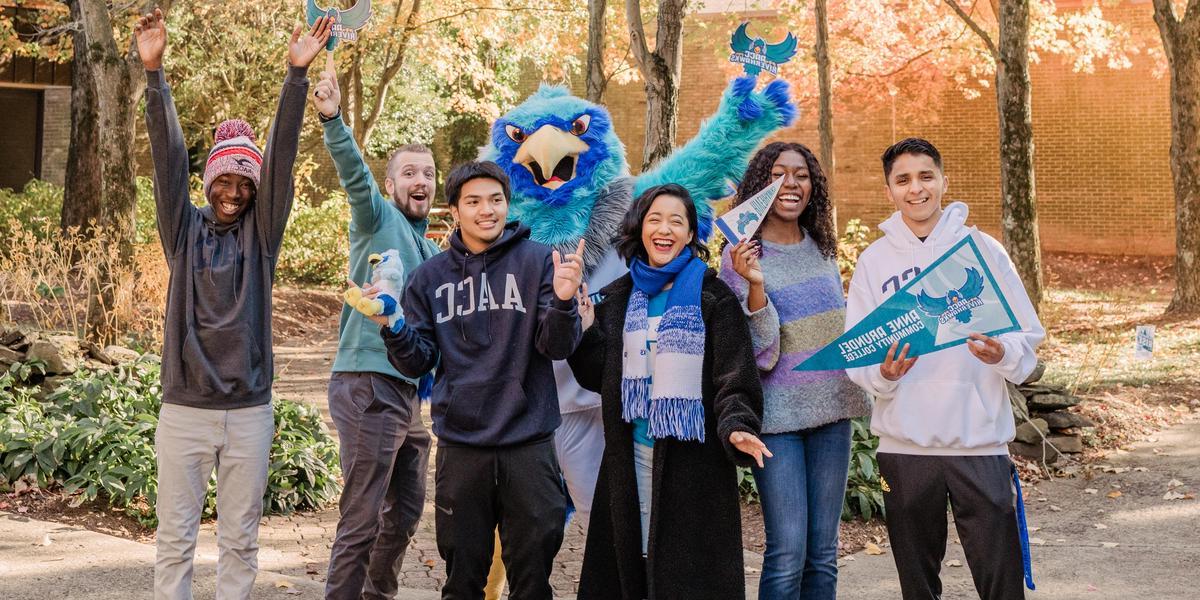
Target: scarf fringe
680, 418
635, 399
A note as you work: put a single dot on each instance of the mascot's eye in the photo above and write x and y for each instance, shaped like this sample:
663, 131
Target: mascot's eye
515, 134
580, 126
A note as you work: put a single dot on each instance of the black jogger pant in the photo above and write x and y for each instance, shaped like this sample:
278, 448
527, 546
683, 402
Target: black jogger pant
517, 488
384, 455
983, 501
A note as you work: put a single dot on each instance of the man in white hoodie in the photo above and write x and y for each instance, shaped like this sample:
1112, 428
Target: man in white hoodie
943, 422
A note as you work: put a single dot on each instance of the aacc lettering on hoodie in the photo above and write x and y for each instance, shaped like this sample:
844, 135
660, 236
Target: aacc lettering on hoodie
448, 294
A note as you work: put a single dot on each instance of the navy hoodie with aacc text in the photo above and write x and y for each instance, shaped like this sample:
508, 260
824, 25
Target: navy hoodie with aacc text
492, 324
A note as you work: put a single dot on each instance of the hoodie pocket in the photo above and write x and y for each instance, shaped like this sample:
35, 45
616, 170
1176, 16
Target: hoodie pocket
481, 407
223, 361
944, 414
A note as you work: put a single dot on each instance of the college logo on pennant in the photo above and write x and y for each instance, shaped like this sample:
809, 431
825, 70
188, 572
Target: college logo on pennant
756, 55
346, 23
940, 308
740, 223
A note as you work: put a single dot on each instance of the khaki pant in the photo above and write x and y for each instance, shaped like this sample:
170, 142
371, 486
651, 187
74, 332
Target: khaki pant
190, 443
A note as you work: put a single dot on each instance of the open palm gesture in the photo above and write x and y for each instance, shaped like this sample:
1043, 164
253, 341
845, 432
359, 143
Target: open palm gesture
304, 48
150, 33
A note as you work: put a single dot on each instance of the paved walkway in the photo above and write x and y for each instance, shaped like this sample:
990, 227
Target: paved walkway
1092, 542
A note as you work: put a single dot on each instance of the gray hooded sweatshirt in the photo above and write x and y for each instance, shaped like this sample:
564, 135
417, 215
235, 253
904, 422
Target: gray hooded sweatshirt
217, 335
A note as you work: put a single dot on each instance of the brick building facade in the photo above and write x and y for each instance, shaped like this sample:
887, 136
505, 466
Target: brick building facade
1102, 144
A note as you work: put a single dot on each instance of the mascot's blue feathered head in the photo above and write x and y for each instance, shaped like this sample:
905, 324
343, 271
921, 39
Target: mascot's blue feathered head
557, 149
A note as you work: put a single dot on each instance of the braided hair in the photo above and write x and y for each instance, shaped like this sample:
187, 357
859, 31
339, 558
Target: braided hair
817, 218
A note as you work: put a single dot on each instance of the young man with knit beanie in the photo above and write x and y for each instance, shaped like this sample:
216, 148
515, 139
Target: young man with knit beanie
377, 412
943, 420
217, 363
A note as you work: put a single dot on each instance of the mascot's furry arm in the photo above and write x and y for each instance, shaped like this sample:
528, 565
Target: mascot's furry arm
722, 149
387, 274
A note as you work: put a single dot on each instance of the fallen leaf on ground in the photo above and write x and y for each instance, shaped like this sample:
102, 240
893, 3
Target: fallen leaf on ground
283, 584
1054, 508
1090, 490
873, 549
1109, 544
429, 563
292, 592
1036, 541
1101, 526
954, 562
23, 509
1114, 494
1174, 483
46, 541
55, 559
1140, 469
1173, 496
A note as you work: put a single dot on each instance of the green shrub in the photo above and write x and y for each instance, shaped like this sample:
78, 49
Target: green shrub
864, 498
316, 245
38, 208
94, 435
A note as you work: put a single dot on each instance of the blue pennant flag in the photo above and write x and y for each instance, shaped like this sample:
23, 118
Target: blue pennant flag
940, 308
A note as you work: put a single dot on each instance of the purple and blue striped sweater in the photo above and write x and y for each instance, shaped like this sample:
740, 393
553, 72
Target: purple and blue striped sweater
806, 309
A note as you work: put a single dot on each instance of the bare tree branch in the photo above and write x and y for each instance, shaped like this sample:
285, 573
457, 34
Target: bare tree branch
983, 35
471, 11
637, 33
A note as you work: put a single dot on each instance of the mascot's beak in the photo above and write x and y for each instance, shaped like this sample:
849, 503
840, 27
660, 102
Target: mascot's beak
374, 259
551, 155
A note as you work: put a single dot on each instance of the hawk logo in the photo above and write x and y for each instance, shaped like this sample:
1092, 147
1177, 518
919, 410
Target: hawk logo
244, 162
756, 55
744, 220
956, 304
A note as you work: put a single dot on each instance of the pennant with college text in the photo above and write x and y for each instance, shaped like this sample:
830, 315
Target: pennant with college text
740, 223
756, 55
952, 298
346, 23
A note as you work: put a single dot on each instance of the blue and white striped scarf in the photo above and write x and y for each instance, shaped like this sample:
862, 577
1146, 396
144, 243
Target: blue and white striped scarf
669, 392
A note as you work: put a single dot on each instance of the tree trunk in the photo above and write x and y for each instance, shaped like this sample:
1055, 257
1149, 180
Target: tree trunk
1181, 42
102, 149
1014, 106
81, 194
596, 81
825, 97
660, 71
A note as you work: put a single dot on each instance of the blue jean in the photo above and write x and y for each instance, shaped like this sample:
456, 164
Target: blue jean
802, 488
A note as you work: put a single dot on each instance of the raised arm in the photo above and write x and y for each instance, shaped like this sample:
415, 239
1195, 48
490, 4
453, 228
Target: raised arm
721, 150
167, 148
366, 203
273, 200
559, 327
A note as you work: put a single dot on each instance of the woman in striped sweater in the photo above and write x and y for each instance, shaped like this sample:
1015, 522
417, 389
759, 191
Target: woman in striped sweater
787, 278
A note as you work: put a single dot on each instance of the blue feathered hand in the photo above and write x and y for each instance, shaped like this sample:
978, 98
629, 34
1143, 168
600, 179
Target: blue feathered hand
722, 148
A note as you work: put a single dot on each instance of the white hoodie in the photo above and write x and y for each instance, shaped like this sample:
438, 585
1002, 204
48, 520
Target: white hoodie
950, 403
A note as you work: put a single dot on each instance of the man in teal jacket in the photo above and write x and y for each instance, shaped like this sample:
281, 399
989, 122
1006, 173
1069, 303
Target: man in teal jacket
384, 444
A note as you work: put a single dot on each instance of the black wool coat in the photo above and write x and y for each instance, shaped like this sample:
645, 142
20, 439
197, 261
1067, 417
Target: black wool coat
695, 549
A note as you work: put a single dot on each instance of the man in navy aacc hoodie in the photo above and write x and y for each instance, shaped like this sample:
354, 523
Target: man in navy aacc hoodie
491, 313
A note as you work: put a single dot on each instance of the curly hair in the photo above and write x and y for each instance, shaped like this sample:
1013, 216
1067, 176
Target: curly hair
817, 218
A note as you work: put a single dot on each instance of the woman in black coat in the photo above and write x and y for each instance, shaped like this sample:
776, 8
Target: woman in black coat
694, 545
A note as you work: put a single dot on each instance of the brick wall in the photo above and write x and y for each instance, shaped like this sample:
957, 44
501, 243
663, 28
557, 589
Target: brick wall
1101, 141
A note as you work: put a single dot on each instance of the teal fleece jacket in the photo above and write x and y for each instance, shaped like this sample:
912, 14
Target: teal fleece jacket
376, 225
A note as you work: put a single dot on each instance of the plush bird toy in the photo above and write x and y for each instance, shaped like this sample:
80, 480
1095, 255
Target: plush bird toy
570, 179
387, 274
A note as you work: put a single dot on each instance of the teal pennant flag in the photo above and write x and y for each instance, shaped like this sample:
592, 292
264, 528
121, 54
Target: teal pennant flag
940, 308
